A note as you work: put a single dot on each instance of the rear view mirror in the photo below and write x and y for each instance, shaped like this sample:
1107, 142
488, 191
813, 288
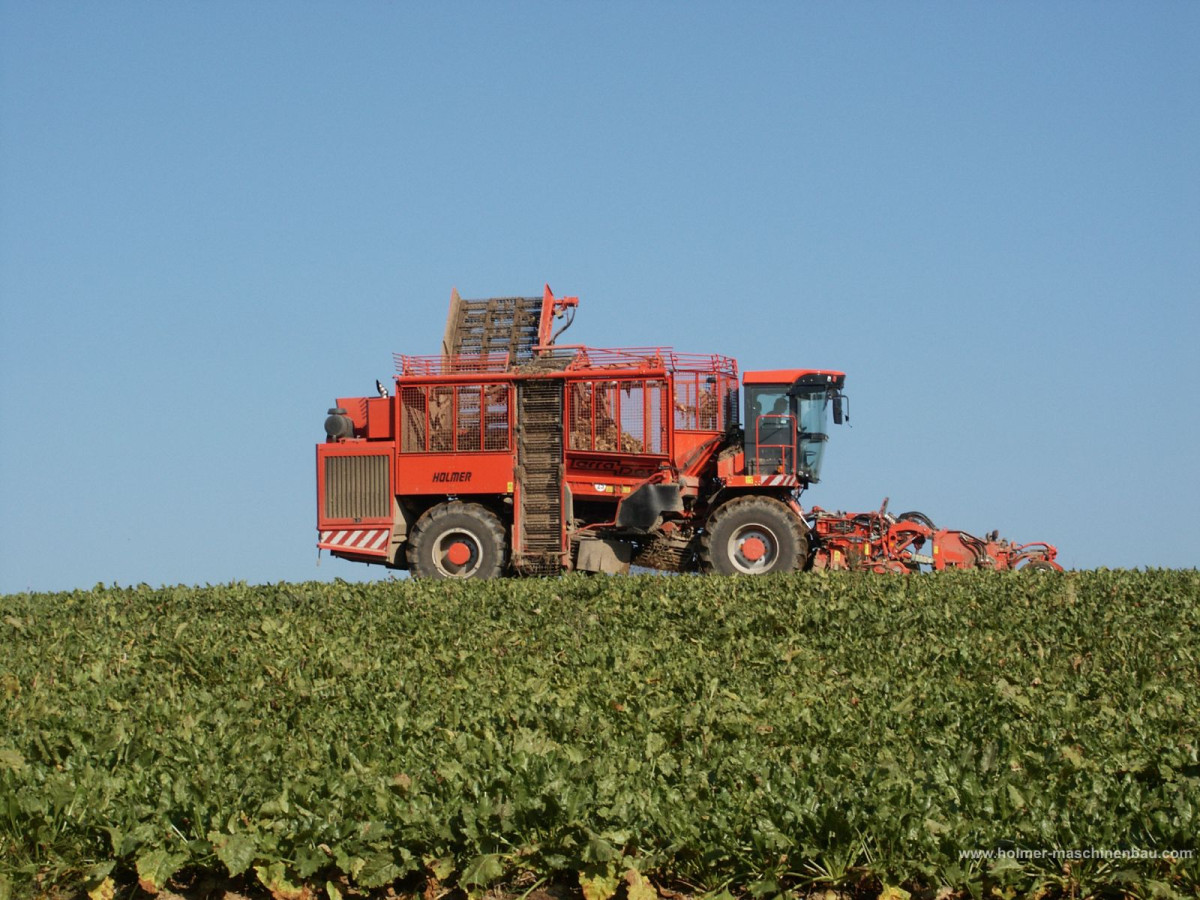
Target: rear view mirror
838, 416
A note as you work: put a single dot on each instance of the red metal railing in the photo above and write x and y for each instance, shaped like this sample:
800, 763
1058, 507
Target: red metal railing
582, 358
450, 365
650, 358
774, 455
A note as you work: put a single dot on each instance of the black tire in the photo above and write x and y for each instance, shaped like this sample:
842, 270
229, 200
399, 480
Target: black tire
450, 530
782, 540
918, 517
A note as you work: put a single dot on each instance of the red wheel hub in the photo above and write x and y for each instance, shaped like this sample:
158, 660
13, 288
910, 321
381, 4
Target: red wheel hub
753, 549
459, 554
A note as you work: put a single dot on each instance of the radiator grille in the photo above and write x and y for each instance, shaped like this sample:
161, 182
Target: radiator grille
356, 487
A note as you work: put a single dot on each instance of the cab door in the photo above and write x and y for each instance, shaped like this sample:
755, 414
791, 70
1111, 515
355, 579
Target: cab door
770, 430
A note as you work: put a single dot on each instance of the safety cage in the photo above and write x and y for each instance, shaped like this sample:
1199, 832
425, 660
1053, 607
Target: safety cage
456, 418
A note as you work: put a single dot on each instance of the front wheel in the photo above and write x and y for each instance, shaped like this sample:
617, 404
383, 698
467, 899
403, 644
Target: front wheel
457, 540
754, 536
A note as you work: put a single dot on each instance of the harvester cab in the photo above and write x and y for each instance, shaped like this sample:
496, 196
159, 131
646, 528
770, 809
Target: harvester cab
787, 420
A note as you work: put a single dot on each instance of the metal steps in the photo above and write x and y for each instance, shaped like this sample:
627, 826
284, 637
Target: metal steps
539, 473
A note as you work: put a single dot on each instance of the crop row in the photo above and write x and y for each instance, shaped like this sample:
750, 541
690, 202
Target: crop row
747, 735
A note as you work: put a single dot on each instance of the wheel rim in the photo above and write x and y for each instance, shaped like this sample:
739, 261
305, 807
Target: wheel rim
457, 554
753, 549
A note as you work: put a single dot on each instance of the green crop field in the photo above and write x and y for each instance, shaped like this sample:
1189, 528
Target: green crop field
778, 736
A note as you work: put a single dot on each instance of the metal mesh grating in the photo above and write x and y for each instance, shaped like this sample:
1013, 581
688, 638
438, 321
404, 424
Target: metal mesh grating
414, 420
468, 419
618, 416
441, 419
465, 418
697, 402
496, 417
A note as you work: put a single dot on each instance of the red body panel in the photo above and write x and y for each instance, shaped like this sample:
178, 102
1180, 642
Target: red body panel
355, 529
458, 473
379, 418
788, 376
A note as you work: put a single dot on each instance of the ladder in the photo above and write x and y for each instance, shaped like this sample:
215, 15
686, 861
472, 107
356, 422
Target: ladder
539, 476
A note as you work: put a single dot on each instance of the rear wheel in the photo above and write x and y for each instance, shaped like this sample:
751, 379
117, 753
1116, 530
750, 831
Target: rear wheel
457, 540
754, 536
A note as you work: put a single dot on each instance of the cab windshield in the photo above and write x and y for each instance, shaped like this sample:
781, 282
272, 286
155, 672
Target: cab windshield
813, 413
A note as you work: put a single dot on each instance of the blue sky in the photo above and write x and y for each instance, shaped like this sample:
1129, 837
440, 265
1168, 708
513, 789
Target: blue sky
216, 217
